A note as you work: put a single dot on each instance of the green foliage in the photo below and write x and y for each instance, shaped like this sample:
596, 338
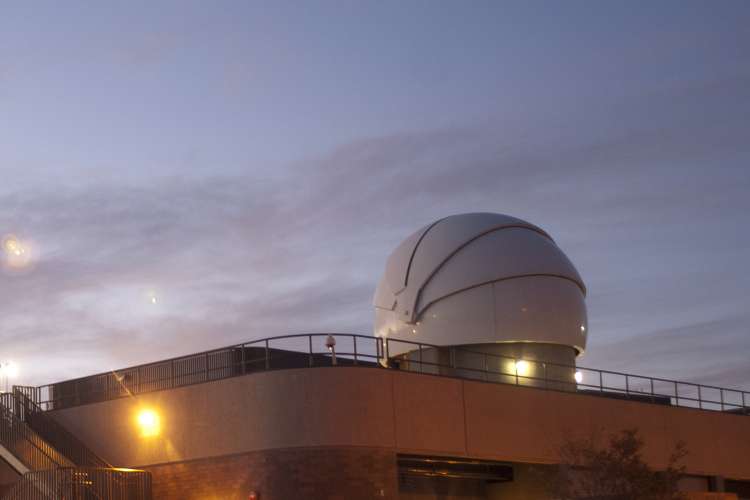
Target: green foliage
616, 471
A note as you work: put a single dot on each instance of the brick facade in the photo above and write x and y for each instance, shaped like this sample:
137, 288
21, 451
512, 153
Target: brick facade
287, 474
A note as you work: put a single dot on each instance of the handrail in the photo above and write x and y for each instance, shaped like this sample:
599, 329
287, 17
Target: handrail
273, 353
54, 433
740, 404
46, 449
23, 442
83, 482
222, 349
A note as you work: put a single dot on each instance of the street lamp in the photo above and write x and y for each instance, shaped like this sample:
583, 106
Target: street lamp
8, 370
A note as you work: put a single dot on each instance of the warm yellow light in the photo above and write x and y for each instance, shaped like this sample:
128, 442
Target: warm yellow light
11, 245
9, 369
18, 254
523, 368
148, 422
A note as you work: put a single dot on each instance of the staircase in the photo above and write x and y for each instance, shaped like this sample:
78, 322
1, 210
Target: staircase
54, 463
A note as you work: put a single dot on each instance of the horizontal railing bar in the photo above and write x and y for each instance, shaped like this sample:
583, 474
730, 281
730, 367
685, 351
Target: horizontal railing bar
561, 365
84, 482
224, 362
228, 348
578, 368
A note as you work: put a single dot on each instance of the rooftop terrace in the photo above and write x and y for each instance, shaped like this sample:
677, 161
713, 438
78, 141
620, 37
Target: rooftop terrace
314, 350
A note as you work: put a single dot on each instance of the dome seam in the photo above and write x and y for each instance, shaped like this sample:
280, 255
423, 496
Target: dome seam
489, 282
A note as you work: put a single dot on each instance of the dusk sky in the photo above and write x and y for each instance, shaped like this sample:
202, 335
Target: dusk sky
252, 165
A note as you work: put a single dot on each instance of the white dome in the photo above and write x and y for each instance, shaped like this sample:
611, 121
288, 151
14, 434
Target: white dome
480, 278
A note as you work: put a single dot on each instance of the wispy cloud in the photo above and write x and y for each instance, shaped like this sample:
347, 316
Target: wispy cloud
647, 198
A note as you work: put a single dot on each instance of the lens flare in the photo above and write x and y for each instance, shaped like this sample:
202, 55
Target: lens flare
148, 422
12, 246
9, 369
16, 254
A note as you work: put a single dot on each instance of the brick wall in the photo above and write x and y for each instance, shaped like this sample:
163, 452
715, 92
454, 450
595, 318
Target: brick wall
710, 496
287, 474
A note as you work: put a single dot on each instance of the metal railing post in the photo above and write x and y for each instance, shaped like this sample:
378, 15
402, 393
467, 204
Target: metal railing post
310, 350
652, 390
676, 395
205, 366
268, 356
452, 357
244, 368
354, 337
721, 397
420, 358
486, 375
601, 381
744, 405
627, 385
171, 372
700, 398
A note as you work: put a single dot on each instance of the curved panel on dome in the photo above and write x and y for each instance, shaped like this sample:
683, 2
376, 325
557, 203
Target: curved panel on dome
497, 255
540, 309
469, 316
441, 241
396, 270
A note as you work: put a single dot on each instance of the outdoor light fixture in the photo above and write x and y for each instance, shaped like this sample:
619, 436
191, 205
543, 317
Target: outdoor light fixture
523, 368
331, 346
8, 370
148, 422
578, 376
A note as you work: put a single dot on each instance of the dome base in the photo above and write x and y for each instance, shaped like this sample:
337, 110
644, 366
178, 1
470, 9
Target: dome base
532, 364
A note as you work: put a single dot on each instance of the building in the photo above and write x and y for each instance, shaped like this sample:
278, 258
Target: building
466, 391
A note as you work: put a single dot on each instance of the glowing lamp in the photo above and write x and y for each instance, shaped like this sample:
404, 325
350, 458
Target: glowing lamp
579, 377
523, 368
9, 369
148, 422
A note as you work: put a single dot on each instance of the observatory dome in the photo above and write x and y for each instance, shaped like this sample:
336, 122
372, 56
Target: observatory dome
481, 279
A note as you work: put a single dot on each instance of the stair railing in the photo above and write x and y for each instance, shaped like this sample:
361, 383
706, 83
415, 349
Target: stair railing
54, 433
83, 483
25, 444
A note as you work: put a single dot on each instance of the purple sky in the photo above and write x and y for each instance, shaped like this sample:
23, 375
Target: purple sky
252, 165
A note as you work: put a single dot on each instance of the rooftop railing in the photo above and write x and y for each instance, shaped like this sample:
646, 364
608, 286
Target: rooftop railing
25, 444
82, 483
59, 465
51, 431
312, 350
